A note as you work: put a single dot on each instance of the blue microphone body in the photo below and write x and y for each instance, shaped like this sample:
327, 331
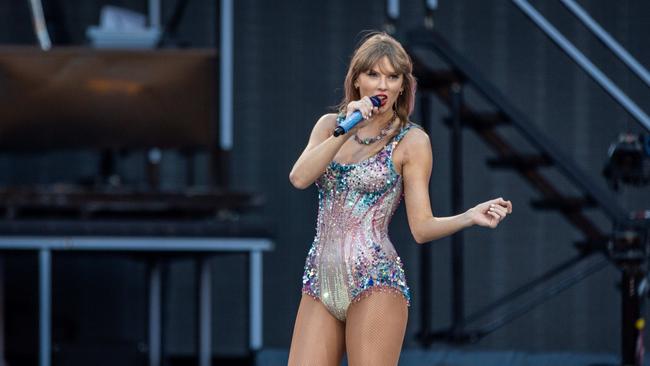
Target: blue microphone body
354, 118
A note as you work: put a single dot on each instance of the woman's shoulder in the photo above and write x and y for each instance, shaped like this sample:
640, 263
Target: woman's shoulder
327, 121
414, 141
414, 134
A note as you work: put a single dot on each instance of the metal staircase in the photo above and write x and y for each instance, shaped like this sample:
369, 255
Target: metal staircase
448, 84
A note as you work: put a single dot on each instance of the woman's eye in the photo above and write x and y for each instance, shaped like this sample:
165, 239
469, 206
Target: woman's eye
371, 73
394, 77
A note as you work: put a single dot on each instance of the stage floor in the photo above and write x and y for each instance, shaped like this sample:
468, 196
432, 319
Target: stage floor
457, 357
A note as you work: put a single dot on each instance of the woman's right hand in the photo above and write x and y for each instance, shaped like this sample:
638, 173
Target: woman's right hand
363, 105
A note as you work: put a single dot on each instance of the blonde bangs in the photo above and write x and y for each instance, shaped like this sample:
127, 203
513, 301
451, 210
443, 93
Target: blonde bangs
368, 55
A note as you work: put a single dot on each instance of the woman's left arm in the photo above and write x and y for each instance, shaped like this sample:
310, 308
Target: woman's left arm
416, 172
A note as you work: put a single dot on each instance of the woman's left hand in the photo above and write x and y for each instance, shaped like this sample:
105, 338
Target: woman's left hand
490, 213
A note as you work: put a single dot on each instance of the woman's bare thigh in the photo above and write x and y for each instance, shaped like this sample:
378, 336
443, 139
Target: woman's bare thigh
318, 337
375, 329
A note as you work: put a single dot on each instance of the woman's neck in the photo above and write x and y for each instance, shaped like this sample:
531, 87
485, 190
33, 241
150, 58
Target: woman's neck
379, 122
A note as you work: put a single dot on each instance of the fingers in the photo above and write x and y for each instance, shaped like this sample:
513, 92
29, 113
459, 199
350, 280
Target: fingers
503, 203
498, 210
368, 104
495, 215
364, 106
492, 212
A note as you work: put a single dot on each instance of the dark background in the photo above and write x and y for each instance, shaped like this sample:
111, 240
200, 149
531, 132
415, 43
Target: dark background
289, 64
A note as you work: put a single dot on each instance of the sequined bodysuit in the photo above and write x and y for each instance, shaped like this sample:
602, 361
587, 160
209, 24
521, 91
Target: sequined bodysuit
351, 253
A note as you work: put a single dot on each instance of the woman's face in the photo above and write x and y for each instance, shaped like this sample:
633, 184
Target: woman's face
381, 79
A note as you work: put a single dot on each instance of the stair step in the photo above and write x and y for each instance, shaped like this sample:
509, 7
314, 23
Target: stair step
480, 121
563, 203
521, 162
590, 245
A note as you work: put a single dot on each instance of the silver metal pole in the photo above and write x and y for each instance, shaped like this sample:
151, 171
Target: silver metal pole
45, 303
205, 311
154, 14
155, 313
255, 278
226, 69
40, 28
584, 62
3, 362
610, 42
392, 9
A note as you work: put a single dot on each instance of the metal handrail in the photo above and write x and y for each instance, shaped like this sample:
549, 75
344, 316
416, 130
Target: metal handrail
608, 40
578, 57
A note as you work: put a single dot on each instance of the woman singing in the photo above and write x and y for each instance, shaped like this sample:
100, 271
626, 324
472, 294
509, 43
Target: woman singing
355, 297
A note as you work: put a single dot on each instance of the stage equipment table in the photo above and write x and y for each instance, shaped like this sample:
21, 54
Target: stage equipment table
45, 245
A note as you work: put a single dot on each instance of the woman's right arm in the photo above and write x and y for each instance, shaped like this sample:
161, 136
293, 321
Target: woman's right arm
323, 146
320, 151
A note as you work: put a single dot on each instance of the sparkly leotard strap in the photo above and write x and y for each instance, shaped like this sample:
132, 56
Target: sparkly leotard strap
401, 135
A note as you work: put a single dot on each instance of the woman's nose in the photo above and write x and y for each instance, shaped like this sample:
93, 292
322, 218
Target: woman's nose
383, 83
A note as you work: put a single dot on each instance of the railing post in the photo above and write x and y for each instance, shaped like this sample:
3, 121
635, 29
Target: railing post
45, 307
457, 270
425, 334
630, 251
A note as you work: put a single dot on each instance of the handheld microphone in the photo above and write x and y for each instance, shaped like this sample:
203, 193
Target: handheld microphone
355, 118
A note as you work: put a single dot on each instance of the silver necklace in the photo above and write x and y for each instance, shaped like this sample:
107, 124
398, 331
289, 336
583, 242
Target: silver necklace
382, 134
